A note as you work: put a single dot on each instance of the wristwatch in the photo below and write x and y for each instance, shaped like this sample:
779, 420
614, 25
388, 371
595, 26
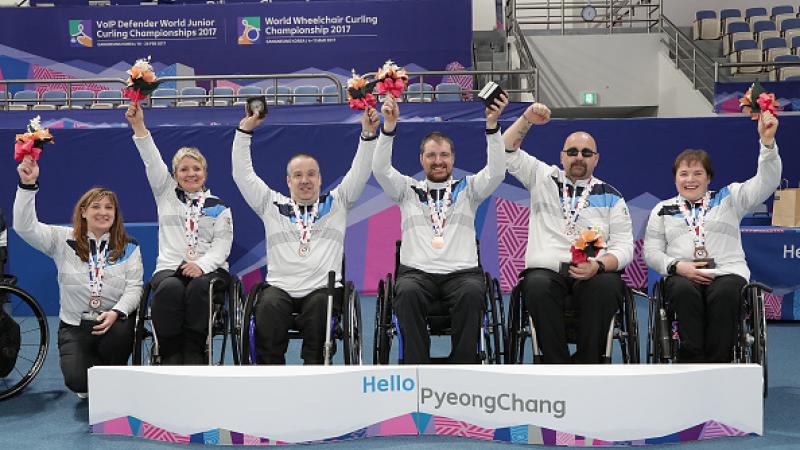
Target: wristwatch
601, 268
367, 135
672, 268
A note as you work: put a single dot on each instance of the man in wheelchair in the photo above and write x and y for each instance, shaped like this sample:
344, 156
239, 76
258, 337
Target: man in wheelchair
563, 204
305, 241
438, 256
694, 240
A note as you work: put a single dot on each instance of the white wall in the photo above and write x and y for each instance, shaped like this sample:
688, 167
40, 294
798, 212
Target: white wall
681, 12
484, 15
676, 95
622, 69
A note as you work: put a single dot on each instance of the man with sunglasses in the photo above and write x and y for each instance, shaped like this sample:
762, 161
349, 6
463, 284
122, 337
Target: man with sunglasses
564, 203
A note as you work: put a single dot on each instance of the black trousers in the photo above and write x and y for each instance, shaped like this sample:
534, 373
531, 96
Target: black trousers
180, 315
463, 292
273, 314
79, 350
707, 317
596, 301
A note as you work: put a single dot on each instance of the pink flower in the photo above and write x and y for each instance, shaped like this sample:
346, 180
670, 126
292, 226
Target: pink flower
23, 149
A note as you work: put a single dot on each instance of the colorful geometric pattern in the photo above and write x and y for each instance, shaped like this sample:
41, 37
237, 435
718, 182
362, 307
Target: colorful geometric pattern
635, 274
40, 72
512, 240
416, 424
772, 305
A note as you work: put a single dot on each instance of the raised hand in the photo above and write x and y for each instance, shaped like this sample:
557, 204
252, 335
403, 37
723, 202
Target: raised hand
493, 112
767, 126
250, 121
28, 170
135, 116
370, 121
391, 113
537, 114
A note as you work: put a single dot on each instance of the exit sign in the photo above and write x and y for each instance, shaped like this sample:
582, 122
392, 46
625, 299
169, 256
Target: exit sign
588, 98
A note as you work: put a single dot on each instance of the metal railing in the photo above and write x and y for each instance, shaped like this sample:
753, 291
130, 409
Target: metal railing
689, 58
565, 15
525, 56
209, 99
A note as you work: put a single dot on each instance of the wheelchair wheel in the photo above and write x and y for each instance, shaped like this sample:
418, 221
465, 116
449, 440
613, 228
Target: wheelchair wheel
235, 318
629, 330
515, 345
383, 322
145, 344
246, 342
753, 333
352, 327
495, 344
34, 334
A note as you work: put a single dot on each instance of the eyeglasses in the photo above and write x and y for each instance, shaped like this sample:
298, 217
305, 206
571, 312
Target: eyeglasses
585, 152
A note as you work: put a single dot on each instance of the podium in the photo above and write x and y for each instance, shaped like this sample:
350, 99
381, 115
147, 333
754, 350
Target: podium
535, 404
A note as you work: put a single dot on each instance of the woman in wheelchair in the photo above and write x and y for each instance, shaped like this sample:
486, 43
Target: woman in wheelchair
99, 276
195, 233
693, 239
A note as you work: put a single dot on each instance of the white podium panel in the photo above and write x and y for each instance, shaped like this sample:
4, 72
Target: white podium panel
591, 405
551, 405
252, 404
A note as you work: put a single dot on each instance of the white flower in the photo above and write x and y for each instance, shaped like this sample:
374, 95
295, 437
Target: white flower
35, 124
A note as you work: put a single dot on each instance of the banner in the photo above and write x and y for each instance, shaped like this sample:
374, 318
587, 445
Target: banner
264, 38
596, 405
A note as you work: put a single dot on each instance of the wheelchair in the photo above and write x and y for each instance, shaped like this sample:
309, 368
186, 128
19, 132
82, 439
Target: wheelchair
344, 325
493, 338
224, 308
623, 328
663, 332
25, 324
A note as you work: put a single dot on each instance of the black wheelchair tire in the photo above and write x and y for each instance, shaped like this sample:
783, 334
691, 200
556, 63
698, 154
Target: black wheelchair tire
44, 343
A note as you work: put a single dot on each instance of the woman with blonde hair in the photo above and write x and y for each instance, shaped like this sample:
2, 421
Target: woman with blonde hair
195, 234
99, 276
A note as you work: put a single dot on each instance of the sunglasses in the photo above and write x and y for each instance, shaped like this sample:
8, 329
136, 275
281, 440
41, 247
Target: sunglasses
585, 152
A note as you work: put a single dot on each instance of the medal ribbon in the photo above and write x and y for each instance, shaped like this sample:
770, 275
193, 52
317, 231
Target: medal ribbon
571, 208
304, 222
194, 209
696, 223
438, 209
97, 264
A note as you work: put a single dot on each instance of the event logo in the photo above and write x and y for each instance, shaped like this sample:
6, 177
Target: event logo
249, 30
80, 33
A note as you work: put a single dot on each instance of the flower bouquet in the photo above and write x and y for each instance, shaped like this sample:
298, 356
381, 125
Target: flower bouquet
141, 81
391, 79
32, 141
587, 245
756, 100
359, 92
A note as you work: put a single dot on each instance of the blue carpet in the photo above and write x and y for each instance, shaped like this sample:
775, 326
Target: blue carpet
48, 416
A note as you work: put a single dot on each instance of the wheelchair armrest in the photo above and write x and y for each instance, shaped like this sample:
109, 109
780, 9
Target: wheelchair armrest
757, 285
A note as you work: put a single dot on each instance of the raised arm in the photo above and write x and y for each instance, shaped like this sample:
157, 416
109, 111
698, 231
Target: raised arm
520, 164
489, 178
355, 180
254, 190
158, 174
536, 114
751, 193
392, 181
40, 236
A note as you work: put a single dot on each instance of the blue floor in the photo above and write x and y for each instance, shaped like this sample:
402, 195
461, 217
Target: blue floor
48, 416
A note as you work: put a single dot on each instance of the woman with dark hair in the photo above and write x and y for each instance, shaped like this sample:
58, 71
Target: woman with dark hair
693, 239
99, 276
195, 234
